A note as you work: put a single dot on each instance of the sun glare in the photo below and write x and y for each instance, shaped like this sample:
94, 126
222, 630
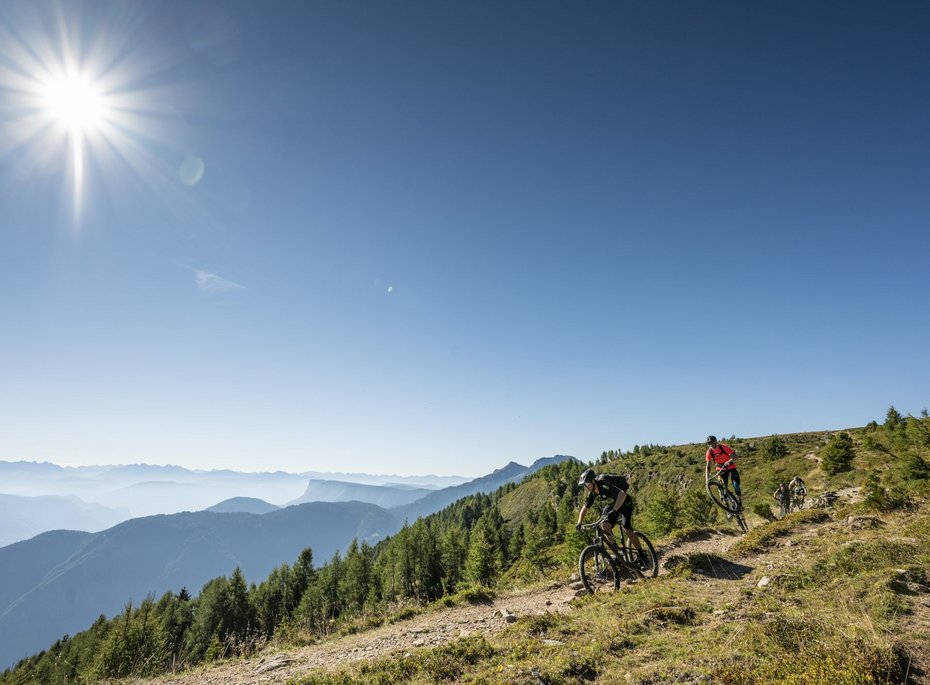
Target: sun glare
77, 99
74, 102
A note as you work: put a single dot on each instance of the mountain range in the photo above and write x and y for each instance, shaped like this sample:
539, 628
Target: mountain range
59, 582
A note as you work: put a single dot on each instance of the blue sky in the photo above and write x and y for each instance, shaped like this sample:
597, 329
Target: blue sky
419, 237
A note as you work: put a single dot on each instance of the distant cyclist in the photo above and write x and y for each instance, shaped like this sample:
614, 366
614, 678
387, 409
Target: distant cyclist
614, 489
783, 495
798, 492
722, 456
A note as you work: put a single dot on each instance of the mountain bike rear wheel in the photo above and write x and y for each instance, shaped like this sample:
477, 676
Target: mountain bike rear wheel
742, 522
646, 561
598, 570
650, 562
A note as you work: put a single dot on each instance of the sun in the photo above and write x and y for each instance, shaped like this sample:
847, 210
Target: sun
74, 101
75, 104
79, 100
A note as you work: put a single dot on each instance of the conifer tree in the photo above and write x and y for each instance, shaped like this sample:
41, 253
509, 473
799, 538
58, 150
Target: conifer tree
537, 541
453, 551
837, 456
483, 564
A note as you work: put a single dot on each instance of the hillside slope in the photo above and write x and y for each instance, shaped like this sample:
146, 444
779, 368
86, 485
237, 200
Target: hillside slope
726, 609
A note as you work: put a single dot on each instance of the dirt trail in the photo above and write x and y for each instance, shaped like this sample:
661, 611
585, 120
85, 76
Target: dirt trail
426, 630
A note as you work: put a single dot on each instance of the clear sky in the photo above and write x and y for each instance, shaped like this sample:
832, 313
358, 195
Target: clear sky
433, 237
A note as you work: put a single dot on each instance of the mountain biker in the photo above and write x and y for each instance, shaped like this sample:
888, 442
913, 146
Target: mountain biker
798, 492
722, 456
783, 495
613, 488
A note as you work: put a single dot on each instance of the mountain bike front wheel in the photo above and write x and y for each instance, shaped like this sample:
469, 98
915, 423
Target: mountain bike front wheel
722, 497
598, 570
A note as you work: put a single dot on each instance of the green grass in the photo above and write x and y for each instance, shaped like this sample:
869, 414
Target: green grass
762, 537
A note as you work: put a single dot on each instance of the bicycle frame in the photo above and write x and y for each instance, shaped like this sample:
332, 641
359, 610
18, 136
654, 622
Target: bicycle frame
600, 537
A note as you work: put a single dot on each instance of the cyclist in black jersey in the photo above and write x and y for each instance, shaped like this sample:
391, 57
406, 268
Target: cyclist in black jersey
614, 489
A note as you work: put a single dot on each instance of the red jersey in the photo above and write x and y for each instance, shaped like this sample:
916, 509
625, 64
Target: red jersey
720, 455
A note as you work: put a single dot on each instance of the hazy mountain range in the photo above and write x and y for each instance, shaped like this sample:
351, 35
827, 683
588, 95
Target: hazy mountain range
57, 583
93, 498
24, 517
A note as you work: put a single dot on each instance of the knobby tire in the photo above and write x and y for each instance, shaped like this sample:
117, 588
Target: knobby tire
650, 567
598, 570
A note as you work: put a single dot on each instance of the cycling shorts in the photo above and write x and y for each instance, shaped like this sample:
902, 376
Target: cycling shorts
624, 514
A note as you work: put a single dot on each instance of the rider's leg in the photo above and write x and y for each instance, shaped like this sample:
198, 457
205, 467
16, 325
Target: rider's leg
626, 522
608, 529
736, 489
634, 539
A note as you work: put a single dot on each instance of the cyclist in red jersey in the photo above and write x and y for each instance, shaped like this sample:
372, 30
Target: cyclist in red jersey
722, 456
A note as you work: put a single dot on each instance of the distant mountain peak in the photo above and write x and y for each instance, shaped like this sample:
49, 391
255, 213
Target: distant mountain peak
548, 461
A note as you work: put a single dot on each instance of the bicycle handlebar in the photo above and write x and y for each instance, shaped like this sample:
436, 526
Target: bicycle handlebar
596, 524
720, 468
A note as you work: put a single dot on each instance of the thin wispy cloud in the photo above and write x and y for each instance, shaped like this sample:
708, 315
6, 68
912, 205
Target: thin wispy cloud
212, 284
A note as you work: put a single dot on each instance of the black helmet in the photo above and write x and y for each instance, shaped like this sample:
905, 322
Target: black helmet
711, 439
586, 476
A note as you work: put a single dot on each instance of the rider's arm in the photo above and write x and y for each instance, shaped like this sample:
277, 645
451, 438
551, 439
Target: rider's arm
707, 470
584, 510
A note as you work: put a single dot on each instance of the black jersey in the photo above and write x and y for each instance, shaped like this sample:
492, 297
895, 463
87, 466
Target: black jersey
609, 486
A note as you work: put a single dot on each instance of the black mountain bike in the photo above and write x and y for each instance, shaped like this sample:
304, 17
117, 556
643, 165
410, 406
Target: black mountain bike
600, 570
646, 560
726, 500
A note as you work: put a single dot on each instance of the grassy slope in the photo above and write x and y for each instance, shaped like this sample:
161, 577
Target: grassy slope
845, 602
838, 609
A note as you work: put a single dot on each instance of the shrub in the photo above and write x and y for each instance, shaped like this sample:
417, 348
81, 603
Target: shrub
837, 456
664, 513
914, 467
699, 509
880, 498
763, 510
916, 432
774, 448
869, 442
